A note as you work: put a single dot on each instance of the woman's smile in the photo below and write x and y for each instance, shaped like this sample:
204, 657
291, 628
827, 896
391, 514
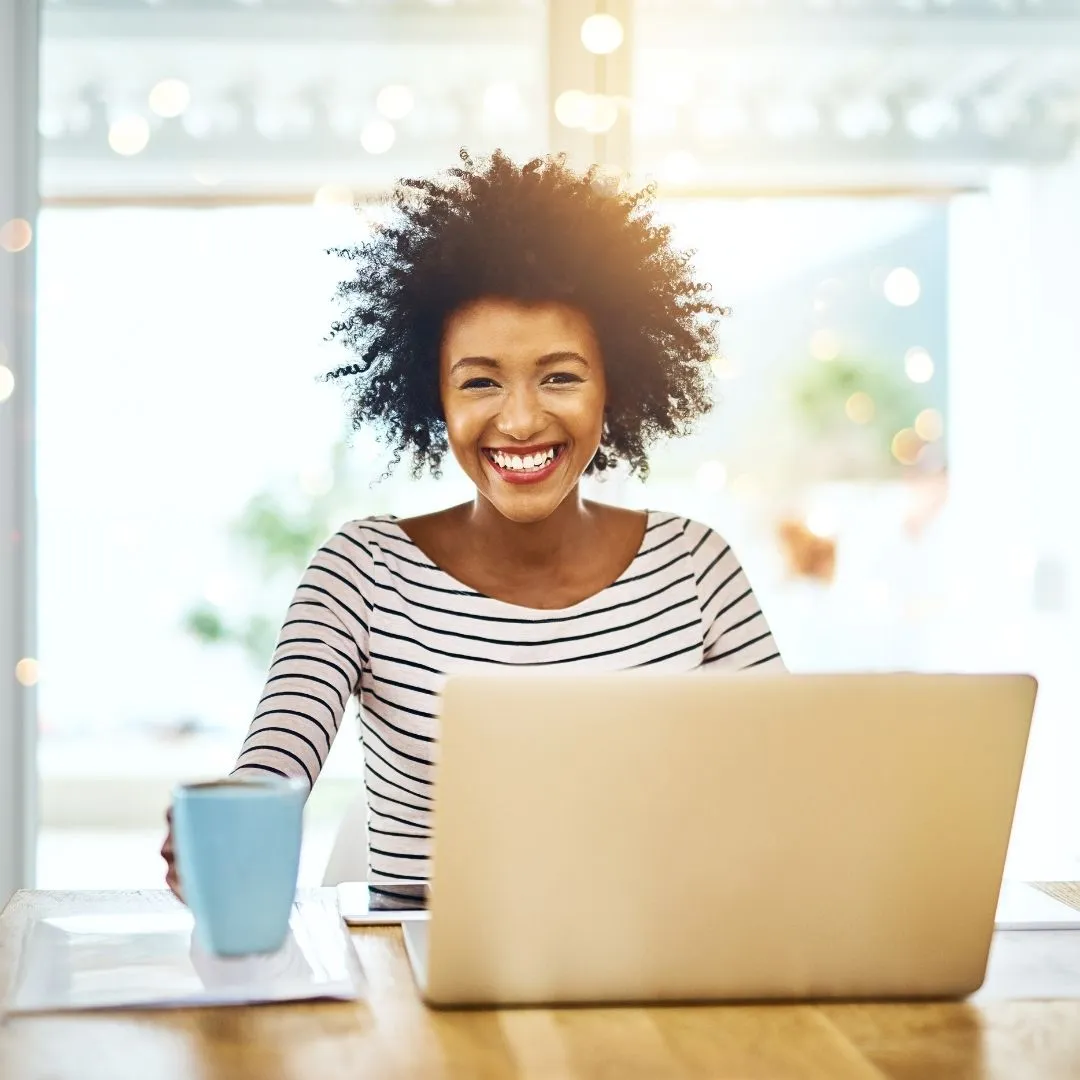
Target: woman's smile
524, 464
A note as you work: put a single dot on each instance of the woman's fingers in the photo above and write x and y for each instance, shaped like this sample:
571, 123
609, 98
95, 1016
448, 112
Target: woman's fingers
172, 879
174, 883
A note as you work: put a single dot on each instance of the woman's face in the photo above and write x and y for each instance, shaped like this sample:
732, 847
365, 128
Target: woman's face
523, 394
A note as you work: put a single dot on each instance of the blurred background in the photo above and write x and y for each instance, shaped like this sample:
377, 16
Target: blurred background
886, 192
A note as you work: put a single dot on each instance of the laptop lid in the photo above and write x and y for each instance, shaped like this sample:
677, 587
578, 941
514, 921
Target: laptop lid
644, 837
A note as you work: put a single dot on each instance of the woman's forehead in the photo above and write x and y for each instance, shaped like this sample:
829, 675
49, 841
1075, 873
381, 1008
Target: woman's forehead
510, 330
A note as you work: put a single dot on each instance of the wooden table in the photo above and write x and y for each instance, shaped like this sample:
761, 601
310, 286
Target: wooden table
391, 1034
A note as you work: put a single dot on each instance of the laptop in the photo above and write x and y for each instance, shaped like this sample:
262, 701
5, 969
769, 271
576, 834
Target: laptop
652, 837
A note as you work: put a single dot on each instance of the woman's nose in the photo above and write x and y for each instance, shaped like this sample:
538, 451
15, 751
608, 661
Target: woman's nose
520, 416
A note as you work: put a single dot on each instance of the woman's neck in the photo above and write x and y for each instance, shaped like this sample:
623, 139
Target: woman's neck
537, 545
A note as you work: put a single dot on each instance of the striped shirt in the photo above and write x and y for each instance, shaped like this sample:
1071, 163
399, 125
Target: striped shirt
375, 617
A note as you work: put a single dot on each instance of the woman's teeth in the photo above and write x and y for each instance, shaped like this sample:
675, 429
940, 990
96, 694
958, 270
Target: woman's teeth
524, 464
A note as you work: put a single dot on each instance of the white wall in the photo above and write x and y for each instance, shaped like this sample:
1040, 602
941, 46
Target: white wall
1014, 510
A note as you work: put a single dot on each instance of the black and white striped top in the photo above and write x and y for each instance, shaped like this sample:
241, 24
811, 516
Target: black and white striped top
374, 616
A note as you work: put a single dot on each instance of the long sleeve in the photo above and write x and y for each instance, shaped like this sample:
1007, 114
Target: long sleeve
316, 665
737, 636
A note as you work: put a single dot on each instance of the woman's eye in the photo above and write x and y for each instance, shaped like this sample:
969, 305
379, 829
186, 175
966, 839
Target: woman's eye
479, 383
563, 378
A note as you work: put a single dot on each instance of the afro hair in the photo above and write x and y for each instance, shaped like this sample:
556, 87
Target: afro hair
535, 233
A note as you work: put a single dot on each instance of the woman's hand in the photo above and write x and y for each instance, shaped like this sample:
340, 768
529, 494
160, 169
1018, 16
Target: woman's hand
171, 877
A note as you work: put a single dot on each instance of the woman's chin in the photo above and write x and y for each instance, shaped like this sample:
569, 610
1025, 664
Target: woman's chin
525, 510
522, 505
523, 501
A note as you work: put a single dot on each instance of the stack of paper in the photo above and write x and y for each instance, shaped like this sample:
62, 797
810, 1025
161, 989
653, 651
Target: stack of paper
152, 960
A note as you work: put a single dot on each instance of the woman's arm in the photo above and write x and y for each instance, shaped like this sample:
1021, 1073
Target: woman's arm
737, 636
315, 668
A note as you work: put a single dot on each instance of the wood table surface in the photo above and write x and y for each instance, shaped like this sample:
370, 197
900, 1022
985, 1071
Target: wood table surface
391, 1034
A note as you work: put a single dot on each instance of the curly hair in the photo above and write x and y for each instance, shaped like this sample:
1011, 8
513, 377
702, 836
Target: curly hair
535, 233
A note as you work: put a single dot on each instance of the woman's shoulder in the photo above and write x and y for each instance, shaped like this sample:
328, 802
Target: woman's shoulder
375, 528
695, 532
703, 544
367, 540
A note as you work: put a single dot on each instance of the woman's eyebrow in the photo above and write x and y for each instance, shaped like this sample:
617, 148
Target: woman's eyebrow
564, 356
474, 361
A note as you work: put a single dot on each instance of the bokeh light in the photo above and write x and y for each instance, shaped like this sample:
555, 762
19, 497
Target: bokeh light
824, 344
929, 425
7, 382
902, 286
15, 235
572, 108
860, 407
601, 34
169, 98
595, 113
128, 135
863, 118
26, 671
395, 101
602, 113
932, 117
333, 197
918, 364
207, 175
378, 136
711, 476
906, 445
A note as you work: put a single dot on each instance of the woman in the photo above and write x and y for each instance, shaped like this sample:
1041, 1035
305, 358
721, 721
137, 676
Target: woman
540, 327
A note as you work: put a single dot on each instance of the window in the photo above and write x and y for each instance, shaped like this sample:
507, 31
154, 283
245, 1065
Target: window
890, 451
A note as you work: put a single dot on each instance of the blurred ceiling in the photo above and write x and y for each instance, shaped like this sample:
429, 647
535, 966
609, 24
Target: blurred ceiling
281, 98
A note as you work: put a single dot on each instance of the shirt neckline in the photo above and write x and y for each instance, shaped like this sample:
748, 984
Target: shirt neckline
650, 516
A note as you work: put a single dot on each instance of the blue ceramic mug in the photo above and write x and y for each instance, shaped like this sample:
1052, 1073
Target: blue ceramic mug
237, 845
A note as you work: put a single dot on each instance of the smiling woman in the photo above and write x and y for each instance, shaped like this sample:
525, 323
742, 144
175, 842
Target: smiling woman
530, 412
539, 327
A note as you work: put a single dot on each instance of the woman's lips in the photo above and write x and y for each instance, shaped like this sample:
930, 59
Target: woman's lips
524, 476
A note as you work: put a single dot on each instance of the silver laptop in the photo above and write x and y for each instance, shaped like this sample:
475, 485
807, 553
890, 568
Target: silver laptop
651, 837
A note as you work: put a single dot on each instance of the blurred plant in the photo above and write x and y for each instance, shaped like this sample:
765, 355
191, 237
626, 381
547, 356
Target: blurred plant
852, 412
853, 420
276, 534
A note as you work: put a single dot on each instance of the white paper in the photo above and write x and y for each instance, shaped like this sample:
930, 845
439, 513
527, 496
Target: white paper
152, 960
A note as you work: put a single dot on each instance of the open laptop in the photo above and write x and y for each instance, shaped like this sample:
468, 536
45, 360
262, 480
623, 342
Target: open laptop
655, 837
